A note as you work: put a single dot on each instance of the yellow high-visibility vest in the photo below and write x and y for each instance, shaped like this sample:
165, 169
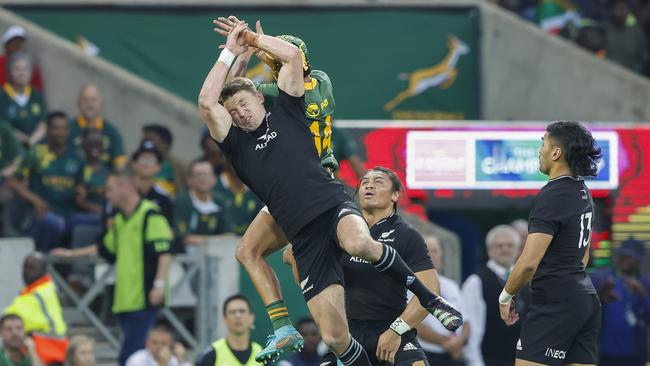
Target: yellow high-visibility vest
225, 357
39, 307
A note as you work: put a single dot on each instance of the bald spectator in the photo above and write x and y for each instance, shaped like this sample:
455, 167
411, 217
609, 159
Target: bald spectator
90, 116
14, 39
38, 303
492, 342
17, 348
20, 105
442, 347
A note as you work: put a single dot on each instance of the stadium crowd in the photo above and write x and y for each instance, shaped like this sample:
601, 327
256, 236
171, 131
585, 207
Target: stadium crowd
616, 30
54, 177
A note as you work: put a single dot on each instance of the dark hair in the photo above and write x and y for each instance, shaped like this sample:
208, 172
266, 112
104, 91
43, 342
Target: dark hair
236, 85
162, 131
305, 320
612, 3
233, 298
55, 114
580, 150
7, 317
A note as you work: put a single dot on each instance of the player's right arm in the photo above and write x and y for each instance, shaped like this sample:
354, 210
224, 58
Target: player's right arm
215, 116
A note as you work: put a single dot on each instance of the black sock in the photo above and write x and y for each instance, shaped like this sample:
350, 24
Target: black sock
393, 265
354, 355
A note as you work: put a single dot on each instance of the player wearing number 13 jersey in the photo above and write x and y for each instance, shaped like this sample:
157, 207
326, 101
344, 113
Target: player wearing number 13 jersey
564, 318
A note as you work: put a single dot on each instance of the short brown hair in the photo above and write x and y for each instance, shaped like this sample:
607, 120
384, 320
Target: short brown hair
236, 85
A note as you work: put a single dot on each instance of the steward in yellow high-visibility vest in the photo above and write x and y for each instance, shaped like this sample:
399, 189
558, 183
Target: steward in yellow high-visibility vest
38, 303
236, 349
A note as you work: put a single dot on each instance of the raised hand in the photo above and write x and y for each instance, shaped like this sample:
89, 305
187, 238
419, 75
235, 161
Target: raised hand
235, 41
225, 25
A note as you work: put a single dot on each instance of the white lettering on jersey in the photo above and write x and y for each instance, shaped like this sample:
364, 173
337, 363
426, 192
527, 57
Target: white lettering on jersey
555, 353
266, 138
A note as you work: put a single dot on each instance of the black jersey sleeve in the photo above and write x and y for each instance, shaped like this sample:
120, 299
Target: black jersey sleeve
543, 216
207, 358
415, 252
229, 143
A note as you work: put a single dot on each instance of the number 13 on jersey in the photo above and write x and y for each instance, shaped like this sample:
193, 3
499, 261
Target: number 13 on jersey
585, 229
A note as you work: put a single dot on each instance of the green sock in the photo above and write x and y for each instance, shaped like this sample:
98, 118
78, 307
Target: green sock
279, 314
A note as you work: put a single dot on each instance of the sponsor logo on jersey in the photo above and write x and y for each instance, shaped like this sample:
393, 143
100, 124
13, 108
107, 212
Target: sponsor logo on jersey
409, 347
519, 345
266, 138
303, 284
358, 260
585, 196
555, 353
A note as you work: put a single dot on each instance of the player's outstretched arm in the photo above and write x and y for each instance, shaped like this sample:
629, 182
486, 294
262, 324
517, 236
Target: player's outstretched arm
290, 78
215, 116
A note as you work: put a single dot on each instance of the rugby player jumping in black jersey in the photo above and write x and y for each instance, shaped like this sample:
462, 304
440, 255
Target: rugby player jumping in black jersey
273, 153
563, 320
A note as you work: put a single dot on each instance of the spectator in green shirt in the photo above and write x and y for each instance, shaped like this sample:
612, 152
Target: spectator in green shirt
10, 155
20, 104
47, 179
198, 213
90, 116
171, 174
17, 348
90, 194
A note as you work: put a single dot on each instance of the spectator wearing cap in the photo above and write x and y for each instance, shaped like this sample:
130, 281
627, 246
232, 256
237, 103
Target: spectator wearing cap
242, 204
14, 40
623, 291
145, 163
90, 116
21, 105
199, 214
625, 44
171, 174
47, 179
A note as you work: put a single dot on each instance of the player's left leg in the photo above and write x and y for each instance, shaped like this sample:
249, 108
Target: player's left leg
354, 237
262, 238
584, 350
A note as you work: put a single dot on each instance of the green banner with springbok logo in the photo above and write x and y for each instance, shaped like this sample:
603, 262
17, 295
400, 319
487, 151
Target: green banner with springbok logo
384, 62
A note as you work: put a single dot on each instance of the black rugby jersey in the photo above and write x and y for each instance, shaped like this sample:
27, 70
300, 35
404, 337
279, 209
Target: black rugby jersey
371, 295
562, 208
279, 162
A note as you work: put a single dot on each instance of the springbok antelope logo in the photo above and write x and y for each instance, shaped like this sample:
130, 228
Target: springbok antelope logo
442, 74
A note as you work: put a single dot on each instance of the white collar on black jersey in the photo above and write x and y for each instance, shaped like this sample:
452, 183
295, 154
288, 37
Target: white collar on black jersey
579, 178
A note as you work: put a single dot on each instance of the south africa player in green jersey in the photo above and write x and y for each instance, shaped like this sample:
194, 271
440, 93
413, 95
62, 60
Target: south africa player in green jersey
264, 236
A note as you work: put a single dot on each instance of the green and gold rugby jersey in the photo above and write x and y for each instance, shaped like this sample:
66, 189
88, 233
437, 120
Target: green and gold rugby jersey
319, 107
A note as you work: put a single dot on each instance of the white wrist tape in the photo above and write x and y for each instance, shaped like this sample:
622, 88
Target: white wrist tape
504, 297
159, 284
226, 57
400, 326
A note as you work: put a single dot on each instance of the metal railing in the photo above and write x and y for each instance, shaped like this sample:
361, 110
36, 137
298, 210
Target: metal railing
198, 274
